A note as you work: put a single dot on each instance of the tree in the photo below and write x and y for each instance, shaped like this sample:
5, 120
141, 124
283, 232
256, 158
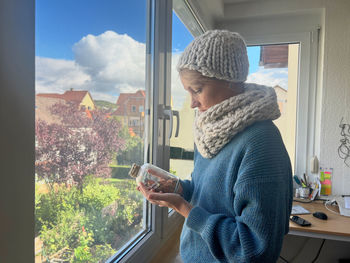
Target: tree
79, 144
133, 150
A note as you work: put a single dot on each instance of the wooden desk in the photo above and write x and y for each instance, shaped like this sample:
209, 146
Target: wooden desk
336, 227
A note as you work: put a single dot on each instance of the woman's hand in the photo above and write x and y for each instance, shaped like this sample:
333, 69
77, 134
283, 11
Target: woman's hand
171, 200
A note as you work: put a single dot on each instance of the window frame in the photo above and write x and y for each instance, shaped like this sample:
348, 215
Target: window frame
157, 151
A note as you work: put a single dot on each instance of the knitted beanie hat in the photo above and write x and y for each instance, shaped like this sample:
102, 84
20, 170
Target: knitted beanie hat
217, 53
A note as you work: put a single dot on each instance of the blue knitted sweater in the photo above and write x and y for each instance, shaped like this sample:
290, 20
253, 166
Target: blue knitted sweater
241, 199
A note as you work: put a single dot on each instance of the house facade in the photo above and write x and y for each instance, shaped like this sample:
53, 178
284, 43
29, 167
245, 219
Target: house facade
130, 109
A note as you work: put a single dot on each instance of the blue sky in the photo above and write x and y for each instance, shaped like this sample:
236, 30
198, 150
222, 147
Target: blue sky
100, 46
58, 28
61, 23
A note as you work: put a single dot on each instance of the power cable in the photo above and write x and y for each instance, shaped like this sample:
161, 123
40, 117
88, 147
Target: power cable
319, 251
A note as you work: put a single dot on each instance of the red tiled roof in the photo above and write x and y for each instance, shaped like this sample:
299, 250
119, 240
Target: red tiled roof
124, 98
279, 87
50, 95
74, 95
71, 95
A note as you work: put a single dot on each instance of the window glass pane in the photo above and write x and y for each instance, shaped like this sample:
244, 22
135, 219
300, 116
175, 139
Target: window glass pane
90, 100
181, 147
277, 66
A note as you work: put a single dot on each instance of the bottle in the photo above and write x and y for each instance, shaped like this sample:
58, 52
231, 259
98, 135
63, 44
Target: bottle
155, 178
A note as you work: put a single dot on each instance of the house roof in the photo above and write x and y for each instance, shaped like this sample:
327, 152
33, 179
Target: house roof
71, 95
280, 88
125, 97
50, 95
75, 95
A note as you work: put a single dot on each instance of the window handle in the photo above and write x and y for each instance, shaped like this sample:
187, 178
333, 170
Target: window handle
165, 112
169, 115
176, 113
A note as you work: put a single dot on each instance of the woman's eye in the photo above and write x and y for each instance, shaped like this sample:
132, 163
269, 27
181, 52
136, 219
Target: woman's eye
197, 91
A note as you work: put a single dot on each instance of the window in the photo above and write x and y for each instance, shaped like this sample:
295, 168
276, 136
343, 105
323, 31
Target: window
87, 208
277, 66
181, 144
297, 72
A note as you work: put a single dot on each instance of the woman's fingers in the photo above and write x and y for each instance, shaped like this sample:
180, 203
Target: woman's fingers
171, 200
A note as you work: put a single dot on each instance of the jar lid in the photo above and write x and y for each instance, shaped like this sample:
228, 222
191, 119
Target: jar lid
134, 170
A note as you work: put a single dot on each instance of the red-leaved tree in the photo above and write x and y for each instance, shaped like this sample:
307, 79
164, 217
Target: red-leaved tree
80, 143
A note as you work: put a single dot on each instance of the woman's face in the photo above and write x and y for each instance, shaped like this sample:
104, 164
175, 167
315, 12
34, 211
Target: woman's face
206, 92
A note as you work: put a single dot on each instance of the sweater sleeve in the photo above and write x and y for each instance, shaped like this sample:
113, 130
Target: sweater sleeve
259, 218
187, 189
187, 185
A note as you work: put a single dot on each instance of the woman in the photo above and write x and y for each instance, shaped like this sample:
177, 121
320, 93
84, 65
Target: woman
238, 203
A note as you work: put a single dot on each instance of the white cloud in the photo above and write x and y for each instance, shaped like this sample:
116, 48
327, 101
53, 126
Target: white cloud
270, 77
105, 65
58, 75
116, 60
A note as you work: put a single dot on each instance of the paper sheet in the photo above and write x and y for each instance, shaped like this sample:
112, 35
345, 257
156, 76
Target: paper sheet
299, 210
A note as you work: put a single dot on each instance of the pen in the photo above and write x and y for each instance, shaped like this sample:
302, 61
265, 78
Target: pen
303, 183
306, 182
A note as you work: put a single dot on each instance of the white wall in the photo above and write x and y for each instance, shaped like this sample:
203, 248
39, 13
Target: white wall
336, 90
17, 131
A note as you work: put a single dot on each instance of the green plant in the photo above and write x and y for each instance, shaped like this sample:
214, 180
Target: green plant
96, 195
82, 252
88, 224
121, 172
62, 237
101, 253
49, 207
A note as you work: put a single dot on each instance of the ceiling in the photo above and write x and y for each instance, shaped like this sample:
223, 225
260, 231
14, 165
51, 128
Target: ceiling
214, 12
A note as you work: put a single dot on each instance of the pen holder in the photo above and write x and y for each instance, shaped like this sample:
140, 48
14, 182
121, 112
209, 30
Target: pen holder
304, 192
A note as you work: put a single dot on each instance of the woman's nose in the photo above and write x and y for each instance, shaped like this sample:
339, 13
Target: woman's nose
194, 103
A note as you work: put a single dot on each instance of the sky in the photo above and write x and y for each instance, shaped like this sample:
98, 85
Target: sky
99, 46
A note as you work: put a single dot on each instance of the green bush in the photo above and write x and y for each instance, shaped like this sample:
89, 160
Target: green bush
121, 172
101, 253
96, 195
49, 207
88, 224
60, 239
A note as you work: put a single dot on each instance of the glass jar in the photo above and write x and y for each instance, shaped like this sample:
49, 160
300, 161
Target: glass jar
155, 178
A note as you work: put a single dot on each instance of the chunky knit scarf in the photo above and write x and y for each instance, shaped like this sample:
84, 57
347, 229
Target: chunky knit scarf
215, 127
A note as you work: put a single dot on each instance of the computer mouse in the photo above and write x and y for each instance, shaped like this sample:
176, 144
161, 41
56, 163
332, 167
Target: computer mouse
320, 215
